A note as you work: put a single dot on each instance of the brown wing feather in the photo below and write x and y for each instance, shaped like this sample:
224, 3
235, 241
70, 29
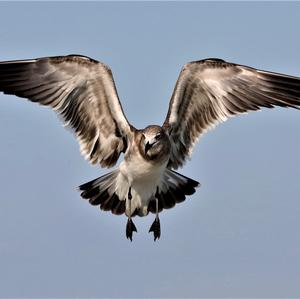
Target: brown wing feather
210, 91
82, 91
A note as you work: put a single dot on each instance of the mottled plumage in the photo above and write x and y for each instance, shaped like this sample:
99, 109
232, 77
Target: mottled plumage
210, 91
83, 93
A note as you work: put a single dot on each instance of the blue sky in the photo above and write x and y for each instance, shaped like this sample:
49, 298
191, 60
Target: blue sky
238, 236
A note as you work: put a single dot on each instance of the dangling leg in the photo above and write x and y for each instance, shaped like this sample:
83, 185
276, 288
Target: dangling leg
130, 227
155, 227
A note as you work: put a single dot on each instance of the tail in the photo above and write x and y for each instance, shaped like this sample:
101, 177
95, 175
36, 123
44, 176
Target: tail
101, 191
173, 189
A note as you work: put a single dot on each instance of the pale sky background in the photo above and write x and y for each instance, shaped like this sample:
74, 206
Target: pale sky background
238, 236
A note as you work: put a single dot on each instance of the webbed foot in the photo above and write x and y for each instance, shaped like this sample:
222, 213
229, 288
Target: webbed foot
155, 228
130, 228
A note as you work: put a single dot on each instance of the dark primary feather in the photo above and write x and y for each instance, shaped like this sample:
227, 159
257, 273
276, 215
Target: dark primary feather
210, 91
82, 91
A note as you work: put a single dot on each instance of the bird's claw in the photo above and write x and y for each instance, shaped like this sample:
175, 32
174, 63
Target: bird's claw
130, 228
155, 228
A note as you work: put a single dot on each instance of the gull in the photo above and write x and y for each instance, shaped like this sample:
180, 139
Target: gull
82, 92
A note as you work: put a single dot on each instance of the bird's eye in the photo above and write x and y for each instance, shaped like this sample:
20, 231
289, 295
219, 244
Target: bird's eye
158, 136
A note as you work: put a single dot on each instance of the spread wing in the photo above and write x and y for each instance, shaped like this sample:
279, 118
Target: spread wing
210, 91
82, 91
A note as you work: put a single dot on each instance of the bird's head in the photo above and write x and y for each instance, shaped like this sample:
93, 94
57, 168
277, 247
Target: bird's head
155, 143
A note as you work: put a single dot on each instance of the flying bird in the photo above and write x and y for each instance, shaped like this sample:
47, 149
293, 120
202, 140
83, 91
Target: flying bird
83, 93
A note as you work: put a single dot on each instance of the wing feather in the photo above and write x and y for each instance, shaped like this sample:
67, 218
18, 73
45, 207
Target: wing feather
82, 92
210, 91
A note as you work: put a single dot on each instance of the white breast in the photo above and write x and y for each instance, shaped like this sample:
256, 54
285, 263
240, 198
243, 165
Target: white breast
143, 177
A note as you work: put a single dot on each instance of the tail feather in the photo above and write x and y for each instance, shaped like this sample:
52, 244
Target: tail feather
174, 189
101, 191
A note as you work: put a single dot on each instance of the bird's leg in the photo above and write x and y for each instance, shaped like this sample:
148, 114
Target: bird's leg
130, 227
155, 227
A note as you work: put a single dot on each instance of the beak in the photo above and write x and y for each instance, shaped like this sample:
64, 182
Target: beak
147, 147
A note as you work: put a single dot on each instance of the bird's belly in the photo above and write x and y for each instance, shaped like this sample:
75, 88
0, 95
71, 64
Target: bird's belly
143, 177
